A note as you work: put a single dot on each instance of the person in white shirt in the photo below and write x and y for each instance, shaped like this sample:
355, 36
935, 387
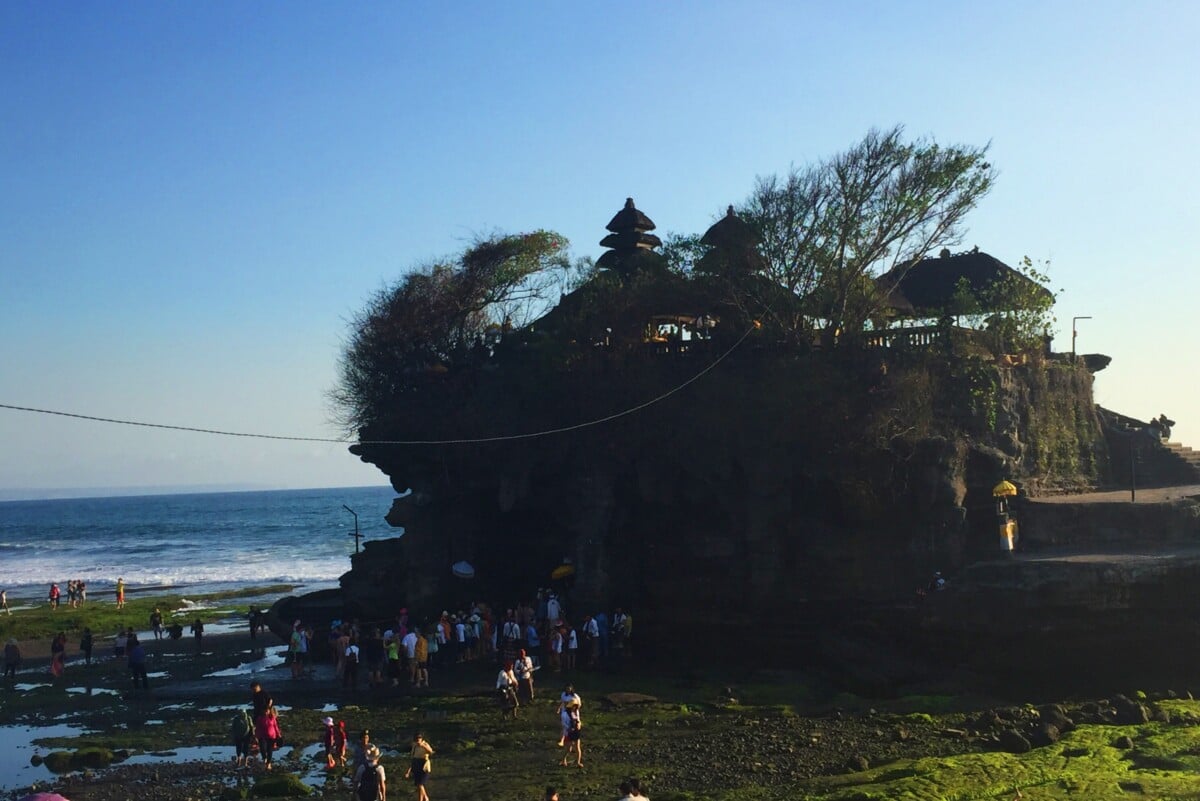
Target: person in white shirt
572, 647
591, 641
568, 702
410, 652
523, 669
460, 637
506, 690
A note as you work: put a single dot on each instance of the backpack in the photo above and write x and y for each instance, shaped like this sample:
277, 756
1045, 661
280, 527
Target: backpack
368, 786
241, 725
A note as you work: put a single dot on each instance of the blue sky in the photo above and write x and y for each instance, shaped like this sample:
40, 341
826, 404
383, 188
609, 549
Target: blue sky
197, 196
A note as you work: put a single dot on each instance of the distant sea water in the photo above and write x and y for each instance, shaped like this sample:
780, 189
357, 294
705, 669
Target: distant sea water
202, 542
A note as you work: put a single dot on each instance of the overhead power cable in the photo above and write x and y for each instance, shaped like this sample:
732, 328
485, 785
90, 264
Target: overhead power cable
462, 441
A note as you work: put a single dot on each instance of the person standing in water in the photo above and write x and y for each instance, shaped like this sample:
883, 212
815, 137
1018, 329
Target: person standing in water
198, 633
85, 645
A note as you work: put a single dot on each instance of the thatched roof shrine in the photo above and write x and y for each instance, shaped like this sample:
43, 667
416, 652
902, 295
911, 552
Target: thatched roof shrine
733, 247
630, 242
929, 287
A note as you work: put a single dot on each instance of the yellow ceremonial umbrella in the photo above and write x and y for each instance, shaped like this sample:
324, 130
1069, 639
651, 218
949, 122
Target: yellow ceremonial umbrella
1005, 489
562, 571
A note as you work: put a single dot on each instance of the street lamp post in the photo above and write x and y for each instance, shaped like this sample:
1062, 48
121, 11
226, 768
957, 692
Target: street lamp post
1073, 334
356, 535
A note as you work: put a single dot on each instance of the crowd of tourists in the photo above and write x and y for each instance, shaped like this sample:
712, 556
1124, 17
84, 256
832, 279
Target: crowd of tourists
526, 637
256, 735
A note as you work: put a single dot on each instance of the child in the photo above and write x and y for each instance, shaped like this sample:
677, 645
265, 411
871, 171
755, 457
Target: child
339, 743
329, 740
574, 735
241, 731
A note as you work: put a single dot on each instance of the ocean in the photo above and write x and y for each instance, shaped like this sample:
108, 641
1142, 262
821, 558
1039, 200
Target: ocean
203, 542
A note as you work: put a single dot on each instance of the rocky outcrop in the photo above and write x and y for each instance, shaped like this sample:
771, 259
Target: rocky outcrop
783, 492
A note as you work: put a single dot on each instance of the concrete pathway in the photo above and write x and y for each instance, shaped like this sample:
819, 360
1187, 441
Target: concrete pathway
1147, 495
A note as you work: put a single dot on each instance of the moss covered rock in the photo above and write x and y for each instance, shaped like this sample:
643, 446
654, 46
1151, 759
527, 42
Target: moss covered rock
68, 761
280, 785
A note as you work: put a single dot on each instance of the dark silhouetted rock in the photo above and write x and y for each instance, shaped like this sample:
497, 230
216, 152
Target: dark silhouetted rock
1014, 742
1129, 712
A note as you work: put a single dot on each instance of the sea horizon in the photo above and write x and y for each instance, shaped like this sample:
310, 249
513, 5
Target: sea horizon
204, 541
16, 494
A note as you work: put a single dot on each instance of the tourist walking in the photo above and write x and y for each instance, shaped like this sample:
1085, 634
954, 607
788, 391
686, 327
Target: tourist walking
85, 645
421, 660
266, 730
329, 742
339, 743
370, 779
156, 623
259, 698
12, 658
55, 593
81, 591
568, 700
506, 691
241, 732
198, 632
574, 736
120, 593
297, 650
572, 646
350, 670
419, 765
58, 654
523, 670
4, 602
137, 663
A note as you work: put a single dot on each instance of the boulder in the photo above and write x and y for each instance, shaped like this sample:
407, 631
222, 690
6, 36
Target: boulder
629, 699
1014, 742
1129, 712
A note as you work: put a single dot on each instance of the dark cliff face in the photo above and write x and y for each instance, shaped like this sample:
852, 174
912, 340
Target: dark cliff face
773, 490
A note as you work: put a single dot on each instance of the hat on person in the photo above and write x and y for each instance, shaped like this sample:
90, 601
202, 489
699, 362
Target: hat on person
372, 753
328, 721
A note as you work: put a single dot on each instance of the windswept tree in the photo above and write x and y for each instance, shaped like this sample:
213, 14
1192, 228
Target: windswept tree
828, 228
441, 316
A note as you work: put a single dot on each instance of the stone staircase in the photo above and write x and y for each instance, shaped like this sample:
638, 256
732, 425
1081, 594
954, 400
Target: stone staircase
1182, 453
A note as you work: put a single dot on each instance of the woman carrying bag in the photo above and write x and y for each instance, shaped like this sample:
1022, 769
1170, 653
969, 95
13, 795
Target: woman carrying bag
419, 765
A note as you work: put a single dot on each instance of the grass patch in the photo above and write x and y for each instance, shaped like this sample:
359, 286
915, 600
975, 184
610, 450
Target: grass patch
103, 617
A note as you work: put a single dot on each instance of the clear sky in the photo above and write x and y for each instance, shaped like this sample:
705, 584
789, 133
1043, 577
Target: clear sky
194, 197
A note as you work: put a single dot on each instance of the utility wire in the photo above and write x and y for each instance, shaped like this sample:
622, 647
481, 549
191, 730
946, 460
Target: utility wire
463, 441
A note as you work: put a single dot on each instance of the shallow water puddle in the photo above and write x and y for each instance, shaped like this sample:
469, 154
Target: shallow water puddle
274, 658
192, 753
26, 688
92, 691
17, 748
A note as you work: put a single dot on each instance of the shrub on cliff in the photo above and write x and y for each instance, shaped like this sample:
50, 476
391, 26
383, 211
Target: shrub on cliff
440, 317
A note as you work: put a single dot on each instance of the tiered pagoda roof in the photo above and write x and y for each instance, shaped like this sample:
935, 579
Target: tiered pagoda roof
630, 241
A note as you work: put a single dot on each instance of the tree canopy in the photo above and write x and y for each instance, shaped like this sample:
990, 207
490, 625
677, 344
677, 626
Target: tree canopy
882, 204
435, 318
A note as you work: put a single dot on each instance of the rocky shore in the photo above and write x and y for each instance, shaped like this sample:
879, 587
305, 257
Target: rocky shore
686, 734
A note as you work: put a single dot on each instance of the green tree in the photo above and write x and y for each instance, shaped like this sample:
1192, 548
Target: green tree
883, 203
441, 317
1017, 311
